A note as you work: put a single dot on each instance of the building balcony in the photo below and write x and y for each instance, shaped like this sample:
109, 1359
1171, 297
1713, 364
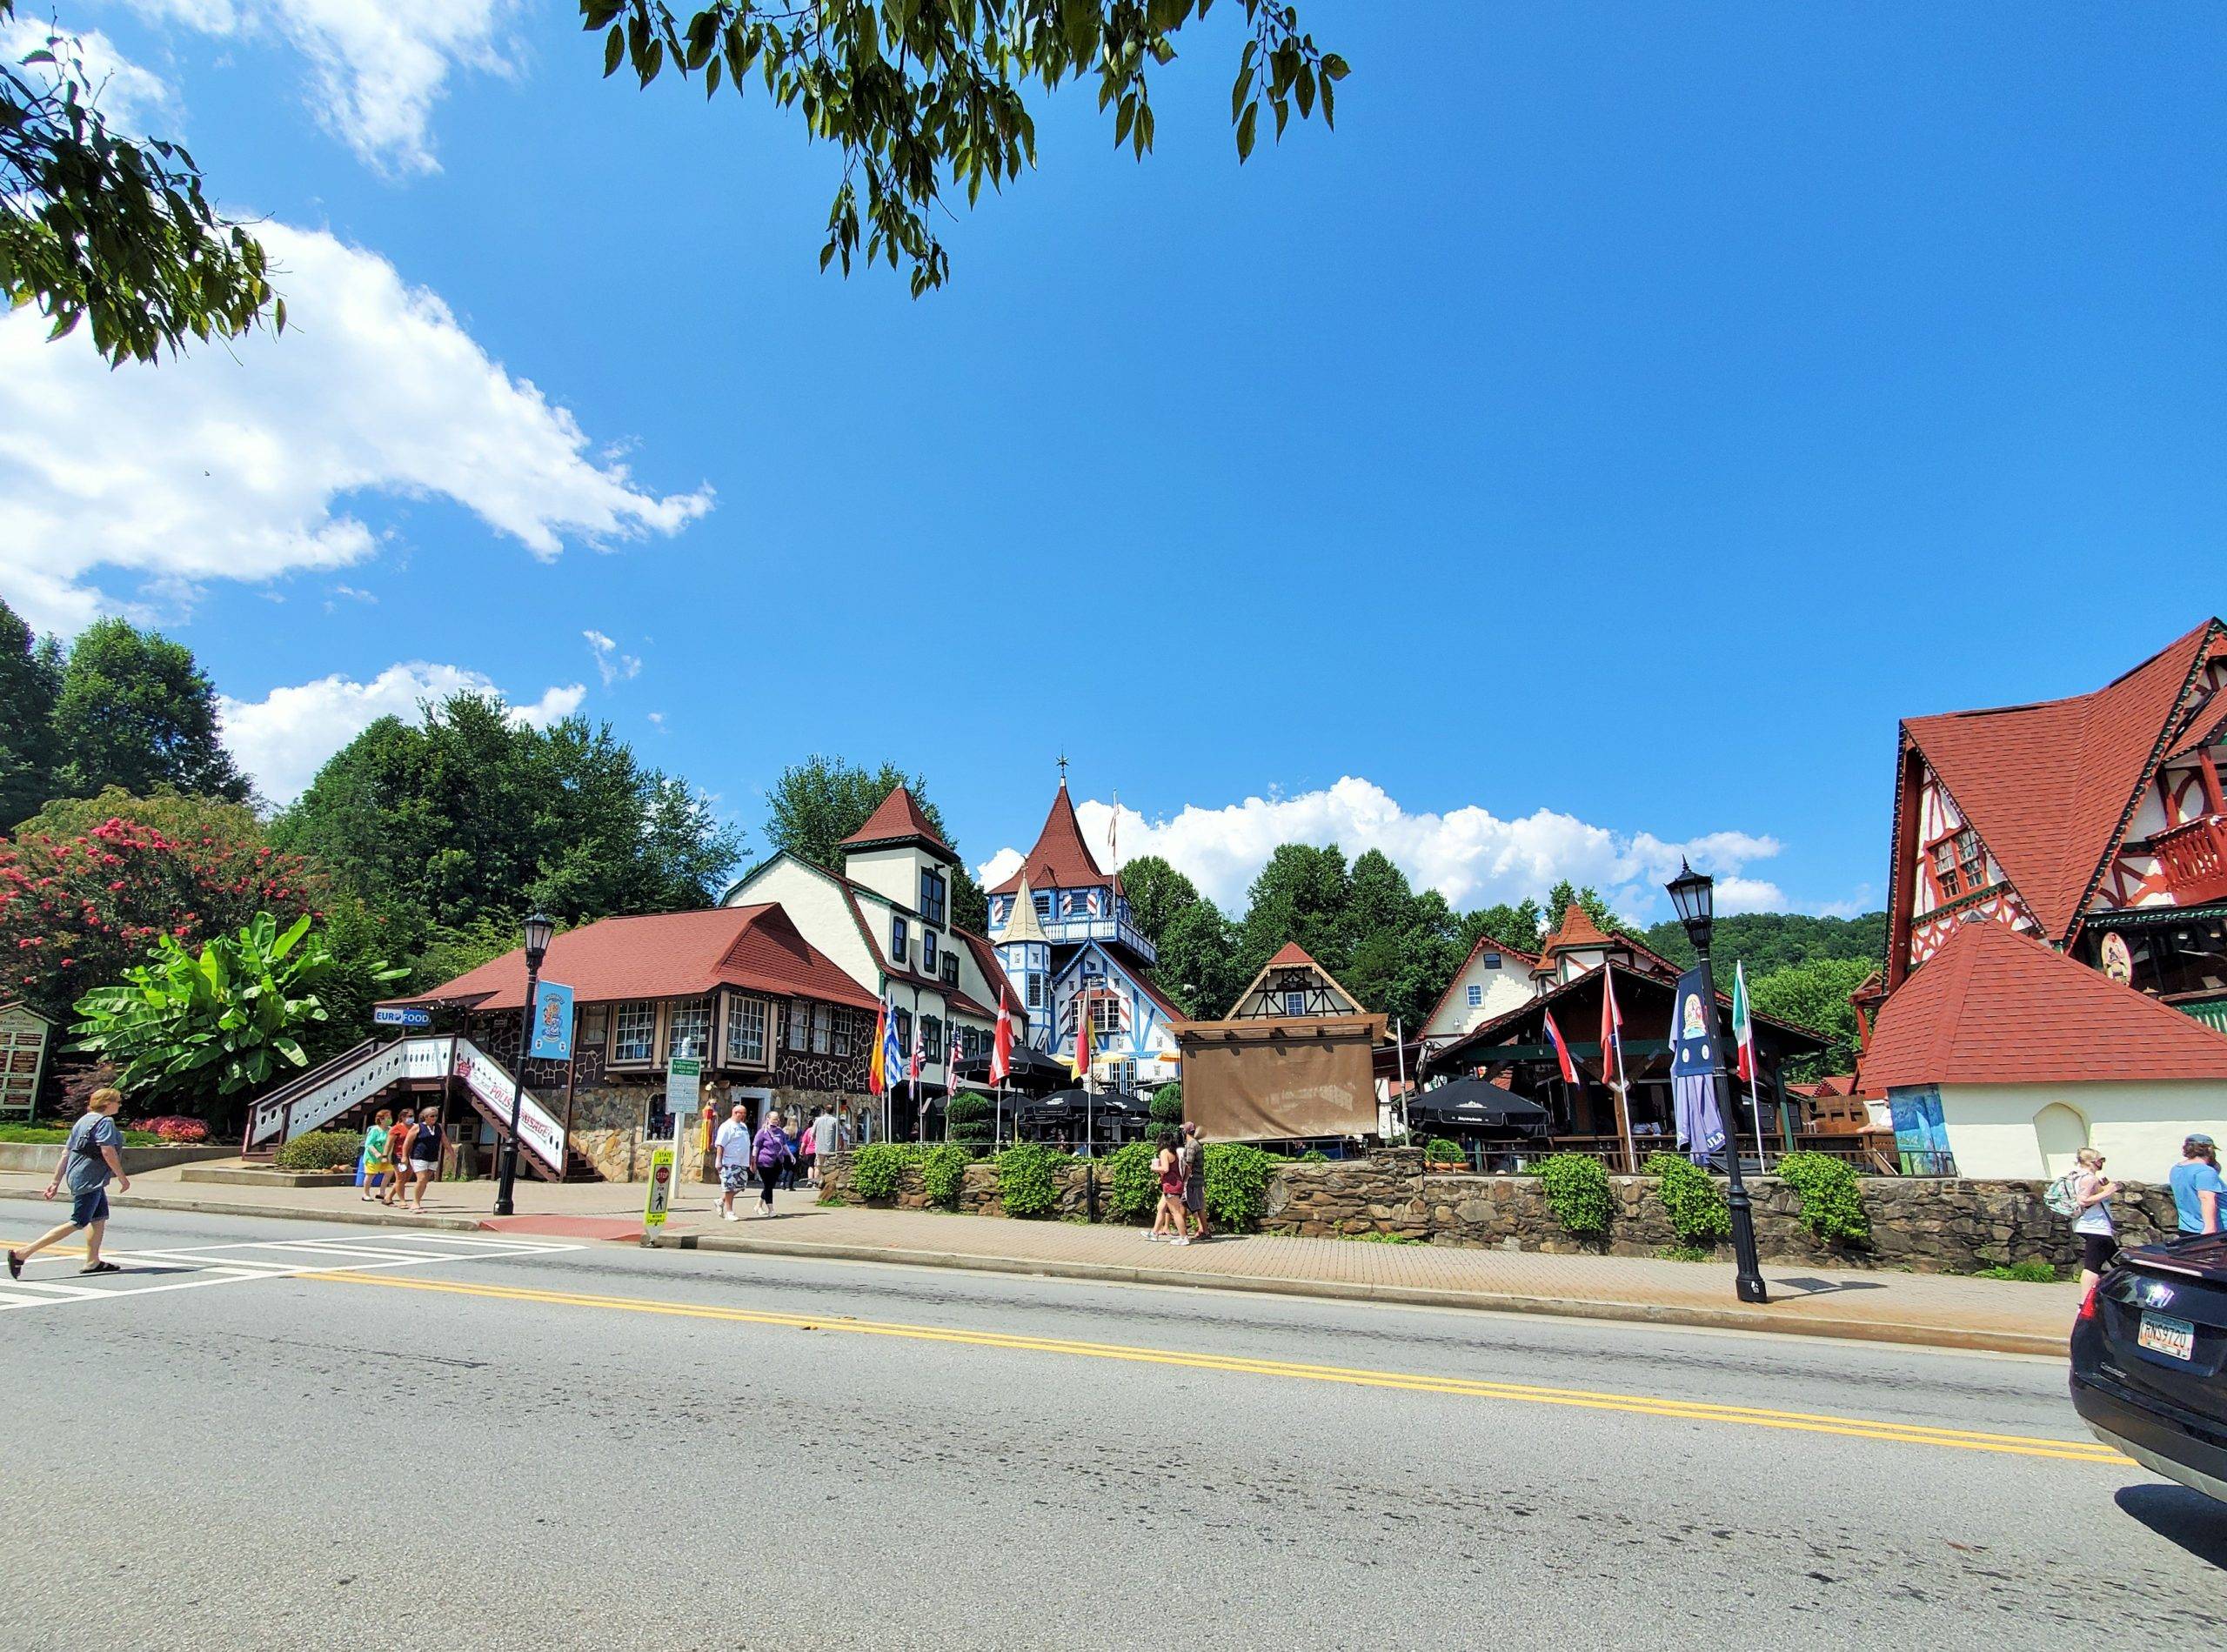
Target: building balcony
2194, 859
1113, 931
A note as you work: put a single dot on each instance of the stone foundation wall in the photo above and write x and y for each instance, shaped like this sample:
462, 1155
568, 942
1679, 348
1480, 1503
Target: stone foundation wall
1927, 1226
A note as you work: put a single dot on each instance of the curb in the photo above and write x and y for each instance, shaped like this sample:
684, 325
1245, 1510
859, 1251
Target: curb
1712, 1318
220, 1208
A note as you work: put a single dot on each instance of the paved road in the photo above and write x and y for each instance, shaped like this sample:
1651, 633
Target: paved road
452, 1441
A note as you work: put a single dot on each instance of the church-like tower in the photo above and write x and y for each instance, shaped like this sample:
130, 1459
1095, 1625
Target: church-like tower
1026, 952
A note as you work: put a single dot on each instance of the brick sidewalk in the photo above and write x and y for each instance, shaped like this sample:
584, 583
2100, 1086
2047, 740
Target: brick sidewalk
1939, 1309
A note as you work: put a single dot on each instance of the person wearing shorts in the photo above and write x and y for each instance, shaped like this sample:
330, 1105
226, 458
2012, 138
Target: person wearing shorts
1192, 1157
2098, 1234
424, 1161
378, 1141
91, 1155
732, 1145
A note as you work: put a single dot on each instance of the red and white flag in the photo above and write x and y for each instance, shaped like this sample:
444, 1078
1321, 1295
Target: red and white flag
1562, 1050
1612, 1025
1001, 1049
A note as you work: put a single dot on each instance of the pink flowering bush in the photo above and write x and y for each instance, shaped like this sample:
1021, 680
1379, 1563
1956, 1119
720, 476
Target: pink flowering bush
173, 1127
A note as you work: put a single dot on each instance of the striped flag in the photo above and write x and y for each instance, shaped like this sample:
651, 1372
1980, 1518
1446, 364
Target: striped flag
1001, 1050
1562, 1050
893, 1053
1744, 1023
878, 1057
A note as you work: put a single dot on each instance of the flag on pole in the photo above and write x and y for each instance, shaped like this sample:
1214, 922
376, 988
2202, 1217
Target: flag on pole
1562, 1050
953, 1057
1611, 1024
891, 1062
1743, 1023
878, 1057
1001, 1047
1079, 1063
918, 1057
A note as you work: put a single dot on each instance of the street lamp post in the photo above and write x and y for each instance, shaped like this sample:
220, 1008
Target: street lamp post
1694, 895
538, 930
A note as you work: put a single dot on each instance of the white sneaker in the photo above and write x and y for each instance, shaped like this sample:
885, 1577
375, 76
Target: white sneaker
728, 1216
1181, 1241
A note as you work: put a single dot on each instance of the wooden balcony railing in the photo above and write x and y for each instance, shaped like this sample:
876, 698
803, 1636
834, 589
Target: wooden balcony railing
2194, 859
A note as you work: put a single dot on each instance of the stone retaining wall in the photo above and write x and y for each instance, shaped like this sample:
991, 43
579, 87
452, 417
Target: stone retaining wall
1928, 1226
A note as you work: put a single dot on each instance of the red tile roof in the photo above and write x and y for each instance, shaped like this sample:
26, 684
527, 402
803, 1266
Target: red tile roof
1995, 1006
897, 819
1061, 859
1577, 929
1293, 954
2048, 786
671, 955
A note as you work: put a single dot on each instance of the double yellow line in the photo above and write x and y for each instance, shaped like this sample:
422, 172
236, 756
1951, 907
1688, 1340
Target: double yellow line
1633, 1404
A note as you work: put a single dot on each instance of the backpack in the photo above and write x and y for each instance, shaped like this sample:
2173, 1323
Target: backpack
2063, 1196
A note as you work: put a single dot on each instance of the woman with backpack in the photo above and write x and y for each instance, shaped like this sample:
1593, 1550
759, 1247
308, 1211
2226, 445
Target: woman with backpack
2091, 1192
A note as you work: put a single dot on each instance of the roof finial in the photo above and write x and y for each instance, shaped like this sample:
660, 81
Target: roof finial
1063, 771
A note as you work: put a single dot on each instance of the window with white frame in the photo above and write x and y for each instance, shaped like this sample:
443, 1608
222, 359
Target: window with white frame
1044, 908
1476, 995
1105, 1013
897, 939
842, 1031
799, 1030
1294, 1003
823, 1029
927, 951
689, 1033
634, 1032
1125, 1075
747, 1031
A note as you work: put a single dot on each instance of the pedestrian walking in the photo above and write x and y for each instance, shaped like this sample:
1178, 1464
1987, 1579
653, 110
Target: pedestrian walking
808, 1151
2099, 1243
398, 1143
1193, 1157
2199, 1192
732, 1143
1167, 1167
772, 1154
376, 1162
789, 1134
93, 1152
424, 1161
827, 1144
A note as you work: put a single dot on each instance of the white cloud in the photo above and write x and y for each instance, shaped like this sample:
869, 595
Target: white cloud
609, 661
129, 98
234, 463
657, 719
1470, 855
377, 67
284, 738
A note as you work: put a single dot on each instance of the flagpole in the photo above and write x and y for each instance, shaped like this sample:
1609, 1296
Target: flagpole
1623, 1087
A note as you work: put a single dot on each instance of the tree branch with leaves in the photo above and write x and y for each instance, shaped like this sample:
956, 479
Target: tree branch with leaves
921, 93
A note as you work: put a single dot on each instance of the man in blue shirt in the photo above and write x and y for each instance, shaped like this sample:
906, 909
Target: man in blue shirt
2199, 1192
92, 1155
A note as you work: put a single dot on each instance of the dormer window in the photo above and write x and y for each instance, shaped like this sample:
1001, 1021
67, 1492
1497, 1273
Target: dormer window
950, 969
932, 899
899, 940
1959, 863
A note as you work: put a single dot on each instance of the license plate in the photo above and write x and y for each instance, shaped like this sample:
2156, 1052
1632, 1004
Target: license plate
2163, 1333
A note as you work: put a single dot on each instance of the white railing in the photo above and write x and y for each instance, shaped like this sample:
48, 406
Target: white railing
287, 1116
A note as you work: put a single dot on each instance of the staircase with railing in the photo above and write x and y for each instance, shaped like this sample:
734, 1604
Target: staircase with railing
360, 1075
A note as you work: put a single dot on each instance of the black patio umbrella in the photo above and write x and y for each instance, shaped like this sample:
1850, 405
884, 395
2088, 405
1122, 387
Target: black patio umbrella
1480, 1105
1032, 1070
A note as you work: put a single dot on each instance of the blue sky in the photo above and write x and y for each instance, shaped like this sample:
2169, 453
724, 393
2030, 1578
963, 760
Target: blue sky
1591, 448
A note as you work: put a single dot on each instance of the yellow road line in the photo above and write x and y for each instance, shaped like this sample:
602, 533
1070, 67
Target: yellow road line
1633, 1404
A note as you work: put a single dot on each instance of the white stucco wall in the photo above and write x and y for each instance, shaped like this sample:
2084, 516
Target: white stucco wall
818, 910
1505, 988
2138, 1127
894, 871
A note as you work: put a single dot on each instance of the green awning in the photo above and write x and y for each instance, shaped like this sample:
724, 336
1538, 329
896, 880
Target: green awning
2211, 1012
2144, 917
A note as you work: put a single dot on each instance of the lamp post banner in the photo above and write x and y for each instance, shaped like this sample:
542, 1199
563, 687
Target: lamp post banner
553, 1024
1694, 1057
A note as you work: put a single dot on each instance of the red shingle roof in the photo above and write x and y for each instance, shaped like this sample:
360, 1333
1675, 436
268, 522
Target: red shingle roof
2047, 786
1995, 1006
673, 955
1292, 953
1061, 859
897, 819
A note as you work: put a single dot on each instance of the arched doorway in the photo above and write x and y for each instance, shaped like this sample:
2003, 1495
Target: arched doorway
2060, 1132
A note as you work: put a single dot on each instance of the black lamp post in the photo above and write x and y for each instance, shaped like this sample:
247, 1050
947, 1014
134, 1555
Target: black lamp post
538, 929
1694, 895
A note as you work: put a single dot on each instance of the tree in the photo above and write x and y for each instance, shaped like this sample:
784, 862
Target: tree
1767, 941
818, 803
471, 817
134, 710
31, 677
910, 91
1198, 962
1517, 926
1565, 894
113, 231
1814, 995
1302, 895
1157, 894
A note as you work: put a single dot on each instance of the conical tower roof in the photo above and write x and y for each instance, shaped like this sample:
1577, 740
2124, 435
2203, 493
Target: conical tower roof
1020, 922
1061, 859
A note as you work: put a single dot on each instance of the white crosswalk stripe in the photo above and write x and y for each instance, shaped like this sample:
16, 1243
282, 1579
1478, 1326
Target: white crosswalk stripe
151, 1270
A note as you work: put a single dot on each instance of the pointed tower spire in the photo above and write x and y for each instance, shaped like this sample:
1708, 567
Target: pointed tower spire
1020, 922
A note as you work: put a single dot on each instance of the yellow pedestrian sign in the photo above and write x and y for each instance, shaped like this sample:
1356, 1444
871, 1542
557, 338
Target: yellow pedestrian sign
661, 1187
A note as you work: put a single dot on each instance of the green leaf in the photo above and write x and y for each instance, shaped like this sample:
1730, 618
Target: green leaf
614, 50
1334, 66
1246, 128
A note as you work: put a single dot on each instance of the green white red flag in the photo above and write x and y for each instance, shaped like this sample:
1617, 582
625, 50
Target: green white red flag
1744, 1023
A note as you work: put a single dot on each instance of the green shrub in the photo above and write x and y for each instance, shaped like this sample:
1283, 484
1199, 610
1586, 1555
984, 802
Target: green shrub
2032, 1271
943, 1171
1576, 1185
1382, 1239
321, 1150
878, 1168
1167, 1105
1131, 1188
966, 1108
1698, 1213
1686, 1254
1237, 1185
1028, 1179
1832, 1199
1440, 1151
1314, 1156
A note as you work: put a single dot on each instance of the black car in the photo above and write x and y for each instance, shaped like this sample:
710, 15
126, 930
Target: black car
2147, 1356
